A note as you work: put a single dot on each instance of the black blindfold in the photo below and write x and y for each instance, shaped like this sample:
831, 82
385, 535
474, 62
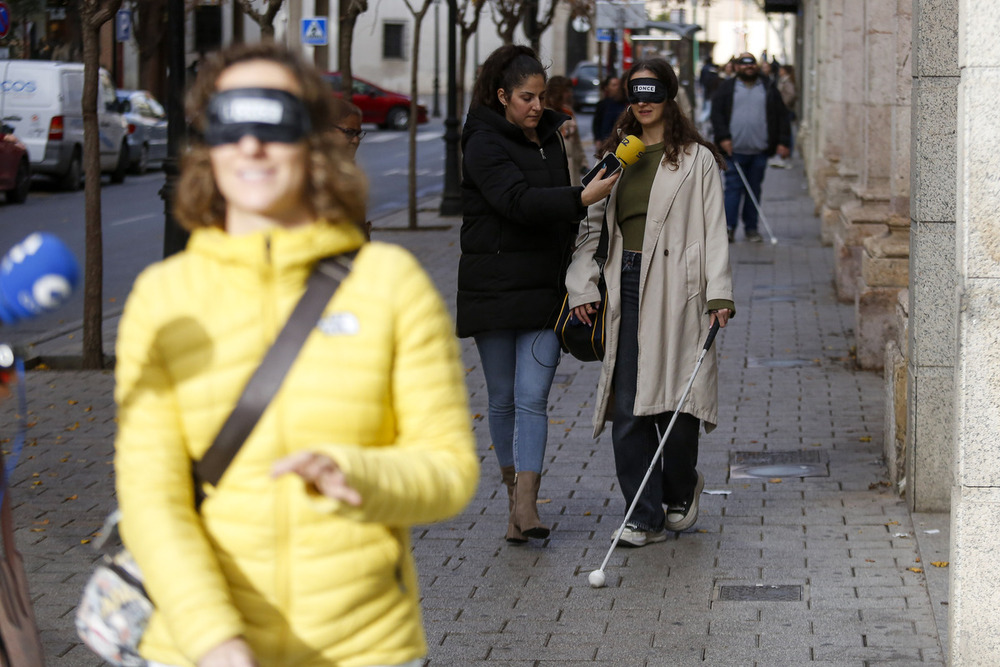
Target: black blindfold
646, 90
264, 113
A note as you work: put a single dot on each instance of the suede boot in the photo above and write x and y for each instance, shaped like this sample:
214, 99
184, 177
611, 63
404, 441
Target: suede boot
514, 535
525, 506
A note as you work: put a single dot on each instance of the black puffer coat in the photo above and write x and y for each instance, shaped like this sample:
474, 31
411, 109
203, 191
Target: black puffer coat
520, 216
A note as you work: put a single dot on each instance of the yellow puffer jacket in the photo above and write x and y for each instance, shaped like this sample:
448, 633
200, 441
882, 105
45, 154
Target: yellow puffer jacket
379, 387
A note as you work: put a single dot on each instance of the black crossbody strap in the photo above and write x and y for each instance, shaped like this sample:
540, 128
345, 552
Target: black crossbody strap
267, 379
601, 254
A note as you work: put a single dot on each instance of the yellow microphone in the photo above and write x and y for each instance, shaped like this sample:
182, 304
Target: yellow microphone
628, 152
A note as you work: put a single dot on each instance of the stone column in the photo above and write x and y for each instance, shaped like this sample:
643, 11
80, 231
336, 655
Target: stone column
885, 182
854, 219
822, 129
932, 313
974, 624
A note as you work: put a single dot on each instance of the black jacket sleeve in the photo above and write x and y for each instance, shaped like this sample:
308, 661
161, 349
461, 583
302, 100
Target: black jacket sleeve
502, 184
722, 110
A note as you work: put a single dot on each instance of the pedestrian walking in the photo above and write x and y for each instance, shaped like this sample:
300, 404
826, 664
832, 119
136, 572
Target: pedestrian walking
300, 555
608, 109
668, 280
750, 123
559, 98
347, 123
790, 96
520, 215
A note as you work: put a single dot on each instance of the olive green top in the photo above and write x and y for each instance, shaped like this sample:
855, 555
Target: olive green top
633, 196
633, 202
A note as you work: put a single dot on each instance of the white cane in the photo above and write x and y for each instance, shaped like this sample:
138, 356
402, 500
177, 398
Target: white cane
597, 577
760, 213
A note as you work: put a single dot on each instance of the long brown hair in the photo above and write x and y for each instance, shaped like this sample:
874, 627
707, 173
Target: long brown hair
678, 130
335, 187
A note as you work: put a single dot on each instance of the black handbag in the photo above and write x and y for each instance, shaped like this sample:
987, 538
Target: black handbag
586, 343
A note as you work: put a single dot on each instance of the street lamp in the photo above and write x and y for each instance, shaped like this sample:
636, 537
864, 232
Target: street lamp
451, 199
437, 60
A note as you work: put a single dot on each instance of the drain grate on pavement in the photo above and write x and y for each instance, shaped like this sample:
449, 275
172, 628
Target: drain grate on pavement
791, 463
761, 593
770, 362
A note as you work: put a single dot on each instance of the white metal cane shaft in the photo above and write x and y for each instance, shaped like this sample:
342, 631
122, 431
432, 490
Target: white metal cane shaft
656, 457
756, 205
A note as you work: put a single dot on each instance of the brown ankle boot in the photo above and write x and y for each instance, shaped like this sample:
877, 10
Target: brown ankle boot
514, 535
525, 505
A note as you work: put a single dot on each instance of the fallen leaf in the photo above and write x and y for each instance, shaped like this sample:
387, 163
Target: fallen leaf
892, 523
939, 563
88, 408
41, 523
64, 459
37, 483
918, 570
543, 501
478, 417
865, 438
75, 426
35, 474
72, 402
586, 514
38, 530
869, 560
557, 421
73, 497
775, 480
701, 530
85, 541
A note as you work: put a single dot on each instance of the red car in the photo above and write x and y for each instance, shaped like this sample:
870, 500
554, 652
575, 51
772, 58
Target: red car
382, 107
15, 171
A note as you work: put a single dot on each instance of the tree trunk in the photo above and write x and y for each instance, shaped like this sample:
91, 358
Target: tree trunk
94, 13
348, 18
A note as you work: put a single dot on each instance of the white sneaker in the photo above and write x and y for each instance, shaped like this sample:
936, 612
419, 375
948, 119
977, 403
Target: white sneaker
778, 162
636, 537
682, 517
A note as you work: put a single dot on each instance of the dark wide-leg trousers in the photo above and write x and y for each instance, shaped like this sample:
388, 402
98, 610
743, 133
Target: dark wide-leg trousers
635, 439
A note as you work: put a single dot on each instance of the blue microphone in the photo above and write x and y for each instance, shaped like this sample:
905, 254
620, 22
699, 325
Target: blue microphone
36, 276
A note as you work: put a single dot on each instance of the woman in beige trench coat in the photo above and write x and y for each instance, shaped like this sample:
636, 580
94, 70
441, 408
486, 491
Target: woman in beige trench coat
668, 280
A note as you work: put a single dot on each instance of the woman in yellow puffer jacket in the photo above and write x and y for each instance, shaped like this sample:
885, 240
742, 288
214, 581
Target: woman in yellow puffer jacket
300, 557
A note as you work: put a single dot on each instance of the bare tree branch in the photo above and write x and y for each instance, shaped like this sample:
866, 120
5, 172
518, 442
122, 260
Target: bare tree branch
265, 18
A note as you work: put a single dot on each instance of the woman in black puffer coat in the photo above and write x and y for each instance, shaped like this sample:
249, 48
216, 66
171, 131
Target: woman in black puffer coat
520, 215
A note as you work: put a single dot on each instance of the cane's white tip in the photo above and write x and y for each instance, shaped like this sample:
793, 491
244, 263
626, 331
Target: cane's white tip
596, 579
774, 241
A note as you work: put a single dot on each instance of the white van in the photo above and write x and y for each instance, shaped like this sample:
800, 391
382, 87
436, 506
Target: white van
41, 100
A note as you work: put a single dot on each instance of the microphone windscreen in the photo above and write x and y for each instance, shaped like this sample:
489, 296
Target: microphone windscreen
630, 150
36, 276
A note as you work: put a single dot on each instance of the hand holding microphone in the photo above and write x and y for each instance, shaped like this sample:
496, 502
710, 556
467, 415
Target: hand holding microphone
36, 276
599, 180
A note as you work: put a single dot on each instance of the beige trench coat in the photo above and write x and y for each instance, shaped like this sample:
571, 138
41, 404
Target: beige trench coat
685, 264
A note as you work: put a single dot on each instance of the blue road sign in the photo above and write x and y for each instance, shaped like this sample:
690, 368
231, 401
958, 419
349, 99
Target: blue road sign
4, 19
123, 25
314, 32
605, 35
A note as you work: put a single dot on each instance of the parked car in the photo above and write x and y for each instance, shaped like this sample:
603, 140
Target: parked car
15, 169
147, 129
380, 106
586, 78
40, 99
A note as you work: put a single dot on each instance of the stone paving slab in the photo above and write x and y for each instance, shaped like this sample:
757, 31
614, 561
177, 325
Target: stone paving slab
869, 595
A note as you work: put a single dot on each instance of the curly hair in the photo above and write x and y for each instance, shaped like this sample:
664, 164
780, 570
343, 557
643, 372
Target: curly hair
505, 69
335, 188
678, 130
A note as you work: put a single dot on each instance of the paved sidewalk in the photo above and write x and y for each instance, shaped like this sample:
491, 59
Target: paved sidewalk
780, 569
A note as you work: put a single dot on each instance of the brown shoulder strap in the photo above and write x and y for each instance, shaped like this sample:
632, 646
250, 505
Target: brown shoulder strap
267, 379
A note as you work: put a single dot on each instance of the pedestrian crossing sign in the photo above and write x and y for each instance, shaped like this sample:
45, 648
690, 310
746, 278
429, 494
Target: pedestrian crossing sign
314, 32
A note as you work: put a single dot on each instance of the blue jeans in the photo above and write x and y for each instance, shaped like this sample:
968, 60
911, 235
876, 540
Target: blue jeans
635, 439
754, 167
519, 366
